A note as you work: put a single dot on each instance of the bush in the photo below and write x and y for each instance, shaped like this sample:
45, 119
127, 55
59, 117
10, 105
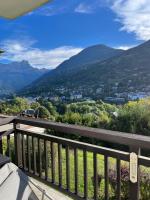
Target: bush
144, 183
124, 182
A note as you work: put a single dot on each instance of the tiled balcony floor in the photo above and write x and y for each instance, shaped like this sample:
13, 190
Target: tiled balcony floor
52, 193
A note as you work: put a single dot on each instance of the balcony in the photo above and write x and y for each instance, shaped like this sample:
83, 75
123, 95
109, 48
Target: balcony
82, 170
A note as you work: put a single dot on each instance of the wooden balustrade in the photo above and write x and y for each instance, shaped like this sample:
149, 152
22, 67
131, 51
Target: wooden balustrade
64, 163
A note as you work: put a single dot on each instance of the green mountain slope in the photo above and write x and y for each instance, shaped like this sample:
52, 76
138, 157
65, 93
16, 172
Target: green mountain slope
68, 68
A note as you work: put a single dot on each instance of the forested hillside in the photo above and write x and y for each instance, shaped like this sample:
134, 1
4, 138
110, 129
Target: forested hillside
119, 75
62, 75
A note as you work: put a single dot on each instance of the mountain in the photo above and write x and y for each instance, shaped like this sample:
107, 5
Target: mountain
120, 75
89, 55
68, 68
16, 75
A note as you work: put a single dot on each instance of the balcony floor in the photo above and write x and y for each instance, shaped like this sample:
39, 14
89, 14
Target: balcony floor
54, 194
23, 187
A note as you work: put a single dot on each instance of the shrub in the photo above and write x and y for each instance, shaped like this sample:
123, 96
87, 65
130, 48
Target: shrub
144, 183
124, 181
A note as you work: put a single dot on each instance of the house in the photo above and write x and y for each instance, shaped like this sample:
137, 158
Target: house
135, 96
114, 99
76, 96
99, 90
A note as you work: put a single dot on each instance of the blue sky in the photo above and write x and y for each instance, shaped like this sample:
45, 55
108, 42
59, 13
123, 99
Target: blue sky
62, 28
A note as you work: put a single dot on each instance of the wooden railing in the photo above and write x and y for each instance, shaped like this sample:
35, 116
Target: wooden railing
79, 169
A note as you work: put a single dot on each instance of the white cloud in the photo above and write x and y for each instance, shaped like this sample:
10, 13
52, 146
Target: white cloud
134, 15
125, 47
90, 6
55, 8
18, 50
84, 8
69, 6
49, 10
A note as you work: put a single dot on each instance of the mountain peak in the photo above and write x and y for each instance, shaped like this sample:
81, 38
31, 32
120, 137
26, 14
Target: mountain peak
88, 56
99, 46
20, 74
24, 62
92, 54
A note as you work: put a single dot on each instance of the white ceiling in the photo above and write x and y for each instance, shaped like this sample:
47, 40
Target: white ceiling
13, 8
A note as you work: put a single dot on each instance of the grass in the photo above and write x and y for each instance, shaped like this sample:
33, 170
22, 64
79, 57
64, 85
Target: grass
100, 167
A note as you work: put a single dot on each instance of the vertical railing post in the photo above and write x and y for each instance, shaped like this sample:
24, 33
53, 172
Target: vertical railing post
1, 146
134, 188
17, 145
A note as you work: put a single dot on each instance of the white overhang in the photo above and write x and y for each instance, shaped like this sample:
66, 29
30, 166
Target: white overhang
13, 8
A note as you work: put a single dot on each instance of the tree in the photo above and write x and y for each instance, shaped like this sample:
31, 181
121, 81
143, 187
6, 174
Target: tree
72, 118
14, 106
43, 113
134, 117
50, 108
35, 105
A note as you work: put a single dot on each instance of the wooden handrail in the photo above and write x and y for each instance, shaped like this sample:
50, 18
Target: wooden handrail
127, 139
4, 121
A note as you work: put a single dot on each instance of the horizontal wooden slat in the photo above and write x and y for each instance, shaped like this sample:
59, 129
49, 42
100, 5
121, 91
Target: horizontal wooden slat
4, 121
145, 161
101, 134
80, 145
